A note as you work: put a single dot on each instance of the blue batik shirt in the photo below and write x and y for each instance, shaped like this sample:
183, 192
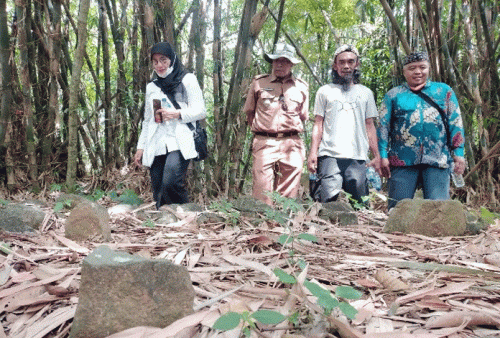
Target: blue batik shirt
412, 132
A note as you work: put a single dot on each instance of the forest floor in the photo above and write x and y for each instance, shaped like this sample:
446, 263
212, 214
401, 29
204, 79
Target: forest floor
409, 285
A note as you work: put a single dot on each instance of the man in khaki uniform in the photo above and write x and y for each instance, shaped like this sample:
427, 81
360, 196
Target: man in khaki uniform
276, 106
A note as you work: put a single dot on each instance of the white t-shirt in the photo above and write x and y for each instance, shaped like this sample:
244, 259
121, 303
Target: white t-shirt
344, 113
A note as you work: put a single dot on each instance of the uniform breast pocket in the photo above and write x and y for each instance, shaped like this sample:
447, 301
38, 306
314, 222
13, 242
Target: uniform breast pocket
267, 100
293, 100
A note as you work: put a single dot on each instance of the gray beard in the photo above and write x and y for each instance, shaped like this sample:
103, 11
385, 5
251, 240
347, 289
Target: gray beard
345, 82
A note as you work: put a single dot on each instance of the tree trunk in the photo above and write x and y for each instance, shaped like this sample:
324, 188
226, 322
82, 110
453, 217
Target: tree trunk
168, 7
108, 131
119, 126
6, 99
236, 87
218, 95
395, 26
54, 46
24, 23
74, 92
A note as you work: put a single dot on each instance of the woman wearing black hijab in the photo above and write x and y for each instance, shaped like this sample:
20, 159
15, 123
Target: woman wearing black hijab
166, 143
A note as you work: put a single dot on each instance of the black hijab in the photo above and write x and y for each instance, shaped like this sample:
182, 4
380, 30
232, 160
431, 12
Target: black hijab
171, 84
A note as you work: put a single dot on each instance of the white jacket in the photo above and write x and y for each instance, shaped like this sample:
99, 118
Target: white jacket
151, 133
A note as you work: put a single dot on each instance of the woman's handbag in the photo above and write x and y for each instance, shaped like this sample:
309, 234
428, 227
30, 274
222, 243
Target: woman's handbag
200, 140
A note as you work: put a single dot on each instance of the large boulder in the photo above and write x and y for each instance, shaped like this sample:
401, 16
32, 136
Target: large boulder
21, 217
427, 217
87, 219
119, 291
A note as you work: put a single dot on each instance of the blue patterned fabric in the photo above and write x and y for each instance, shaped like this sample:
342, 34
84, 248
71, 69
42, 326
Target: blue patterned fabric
412, 132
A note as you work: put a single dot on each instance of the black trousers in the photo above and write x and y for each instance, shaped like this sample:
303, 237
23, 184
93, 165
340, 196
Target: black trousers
336, 174
168, 179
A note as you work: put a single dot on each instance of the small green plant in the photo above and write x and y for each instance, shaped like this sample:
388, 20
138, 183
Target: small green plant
63, 204
56, 187
226, 208
148, 223
325, 298
288, 205
3, 202
277, 216
487, 216
355, 203
231, 320
97, 195
127, 197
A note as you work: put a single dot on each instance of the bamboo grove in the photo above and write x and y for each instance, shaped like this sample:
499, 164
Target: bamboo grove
73, 75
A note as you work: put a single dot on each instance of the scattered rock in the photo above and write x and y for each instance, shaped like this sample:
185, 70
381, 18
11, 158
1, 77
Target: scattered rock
21, 217
209, 217
475, 224
249, 206
338, 212
119, 291
70, 200
427, 217
120, 209
86, 220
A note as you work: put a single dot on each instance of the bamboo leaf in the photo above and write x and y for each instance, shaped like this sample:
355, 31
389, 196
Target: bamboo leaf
284, 277
348, 310
347, 292
308, 237
268, 317
227, 322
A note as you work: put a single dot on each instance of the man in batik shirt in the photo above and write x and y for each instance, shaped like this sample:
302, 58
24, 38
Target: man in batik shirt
416, 144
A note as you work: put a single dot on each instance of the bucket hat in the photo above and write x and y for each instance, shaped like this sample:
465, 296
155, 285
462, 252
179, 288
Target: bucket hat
283, 50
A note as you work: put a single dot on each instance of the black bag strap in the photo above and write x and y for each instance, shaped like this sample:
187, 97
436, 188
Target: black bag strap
441, 112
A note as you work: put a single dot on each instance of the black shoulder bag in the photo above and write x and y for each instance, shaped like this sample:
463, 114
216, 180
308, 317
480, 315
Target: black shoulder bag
200, 140
443, 116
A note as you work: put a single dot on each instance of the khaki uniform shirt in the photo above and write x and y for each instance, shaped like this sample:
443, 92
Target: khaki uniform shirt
275, 106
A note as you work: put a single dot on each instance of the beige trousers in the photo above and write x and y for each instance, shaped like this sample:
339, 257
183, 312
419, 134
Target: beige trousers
277, 166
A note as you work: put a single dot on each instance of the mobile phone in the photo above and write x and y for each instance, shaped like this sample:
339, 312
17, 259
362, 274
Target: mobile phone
156, 106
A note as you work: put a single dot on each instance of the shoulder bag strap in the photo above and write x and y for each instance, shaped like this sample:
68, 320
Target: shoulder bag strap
441, 112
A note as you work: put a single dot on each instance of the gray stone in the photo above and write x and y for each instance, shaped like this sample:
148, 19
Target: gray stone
70, 200
475, 224
338, 212
164, 217
427, 217
86, 220
249, 206
119, 291
120, 209
209, 217
21, 217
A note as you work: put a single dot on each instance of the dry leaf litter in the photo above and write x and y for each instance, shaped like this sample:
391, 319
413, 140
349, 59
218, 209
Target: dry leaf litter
412, 285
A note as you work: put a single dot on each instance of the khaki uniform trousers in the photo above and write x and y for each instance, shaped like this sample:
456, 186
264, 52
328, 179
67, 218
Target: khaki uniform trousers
277, 166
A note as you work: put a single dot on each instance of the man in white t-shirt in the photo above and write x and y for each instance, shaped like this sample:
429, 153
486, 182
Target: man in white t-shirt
343, 131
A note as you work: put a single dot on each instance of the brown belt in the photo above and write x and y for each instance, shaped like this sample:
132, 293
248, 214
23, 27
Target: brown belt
277, 135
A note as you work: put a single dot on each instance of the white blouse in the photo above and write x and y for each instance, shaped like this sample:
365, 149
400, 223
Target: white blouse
173, 135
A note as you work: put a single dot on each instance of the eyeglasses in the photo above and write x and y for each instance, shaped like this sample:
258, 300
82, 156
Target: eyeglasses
284, 106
